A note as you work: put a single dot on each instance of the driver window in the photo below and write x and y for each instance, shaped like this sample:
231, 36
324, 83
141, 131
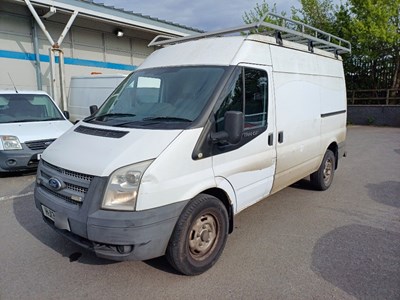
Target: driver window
248, 94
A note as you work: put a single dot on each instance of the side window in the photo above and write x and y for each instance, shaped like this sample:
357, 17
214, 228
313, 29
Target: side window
256, 98
249, 94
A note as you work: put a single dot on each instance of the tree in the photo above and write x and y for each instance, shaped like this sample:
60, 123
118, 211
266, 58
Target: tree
317, 13
372, 27
259, 11
375, 24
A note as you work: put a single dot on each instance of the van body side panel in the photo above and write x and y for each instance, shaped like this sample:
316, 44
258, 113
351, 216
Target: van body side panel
249, 169
174, 176
298, 116
333, 107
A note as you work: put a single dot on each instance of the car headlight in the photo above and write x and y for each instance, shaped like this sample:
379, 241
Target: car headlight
123, 185
10, 142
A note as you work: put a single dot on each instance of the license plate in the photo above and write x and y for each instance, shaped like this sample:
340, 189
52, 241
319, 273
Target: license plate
38, 156
48, 213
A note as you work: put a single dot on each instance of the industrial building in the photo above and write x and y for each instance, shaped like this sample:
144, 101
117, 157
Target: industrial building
43, 43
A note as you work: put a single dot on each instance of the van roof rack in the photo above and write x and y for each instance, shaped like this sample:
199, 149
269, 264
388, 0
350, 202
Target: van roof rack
288, 29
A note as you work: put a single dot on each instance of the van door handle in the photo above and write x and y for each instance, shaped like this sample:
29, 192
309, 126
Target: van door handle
270, 139
280, 137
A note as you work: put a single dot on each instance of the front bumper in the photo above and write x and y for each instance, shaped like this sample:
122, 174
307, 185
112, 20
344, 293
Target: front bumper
110, 234
19, 160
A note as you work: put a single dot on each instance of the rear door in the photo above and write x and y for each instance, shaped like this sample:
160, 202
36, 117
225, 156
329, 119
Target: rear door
249, 166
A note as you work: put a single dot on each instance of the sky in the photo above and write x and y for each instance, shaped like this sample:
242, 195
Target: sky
205, 15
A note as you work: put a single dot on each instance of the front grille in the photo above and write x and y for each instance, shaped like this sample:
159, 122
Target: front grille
74, 185
67, 199
69, 173
39, 145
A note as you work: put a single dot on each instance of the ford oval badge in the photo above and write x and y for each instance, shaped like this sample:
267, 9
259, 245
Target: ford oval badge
55, 183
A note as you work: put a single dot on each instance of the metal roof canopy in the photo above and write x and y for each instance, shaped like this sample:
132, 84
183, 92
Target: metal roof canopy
290, 30
109, 14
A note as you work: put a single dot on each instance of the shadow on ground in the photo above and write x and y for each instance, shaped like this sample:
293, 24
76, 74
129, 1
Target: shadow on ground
31, 220
16, 174
360, 260
387, 192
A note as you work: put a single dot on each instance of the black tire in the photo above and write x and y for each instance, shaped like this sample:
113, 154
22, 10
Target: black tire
199, 236
322, 179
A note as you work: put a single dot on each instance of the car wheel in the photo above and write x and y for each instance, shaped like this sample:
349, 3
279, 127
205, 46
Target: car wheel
199, 236
322, 179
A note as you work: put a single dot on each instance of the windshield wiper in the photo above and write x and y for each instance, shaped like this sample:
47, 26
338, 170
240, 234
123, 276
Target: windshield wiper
110, 115
167, 119
153, 121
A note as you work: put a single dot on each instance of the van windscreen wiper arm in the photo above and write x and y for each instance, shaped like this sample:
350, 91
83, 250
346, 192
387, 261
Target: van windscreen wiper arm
166, 118
110, 115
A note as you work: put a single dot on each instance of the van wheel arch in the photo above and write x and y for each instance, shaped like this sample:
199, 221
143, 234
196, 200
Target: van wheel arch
224, 198
335, 149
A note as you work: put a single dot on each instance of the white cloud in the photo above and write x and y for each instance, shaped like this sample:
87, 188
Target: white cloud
202, 14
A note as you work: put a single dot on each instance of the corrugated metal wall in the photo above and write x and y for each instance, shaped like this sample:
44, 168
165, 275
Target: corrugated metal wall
90, 46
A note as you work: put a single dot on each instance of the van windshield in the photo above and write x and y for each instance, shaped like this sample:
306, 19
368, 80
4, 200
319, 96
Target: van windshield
155, 97
17, 108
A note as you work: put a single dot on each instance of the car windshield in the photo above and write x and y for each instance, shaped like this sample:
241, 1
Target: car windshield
160, 97
16, 108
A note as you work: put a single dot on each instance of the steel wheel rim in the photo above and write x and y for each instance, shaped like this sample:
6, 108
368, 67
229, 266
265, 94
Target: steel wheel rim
328, 170
203, 236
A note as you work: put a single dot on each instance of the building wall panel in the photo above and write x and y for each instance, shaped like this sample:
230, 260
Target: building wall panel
89, 46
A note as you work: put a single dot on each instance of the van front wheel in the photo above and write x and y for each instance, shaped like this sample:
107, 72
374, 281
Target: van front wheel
199, 236
322, 179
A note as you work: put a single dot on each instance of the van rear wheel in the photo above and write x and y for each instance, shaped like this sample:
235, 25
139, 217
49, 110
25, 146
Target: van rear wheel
322, 179
199, 236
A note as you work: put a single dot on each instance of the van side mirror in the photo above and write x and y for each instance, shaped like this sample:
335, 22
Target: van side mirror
233, 125
66, 114
93, 109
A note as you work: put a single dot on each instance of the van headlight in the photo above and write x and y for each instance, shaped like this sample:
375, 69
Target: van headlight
123, 186
10, 142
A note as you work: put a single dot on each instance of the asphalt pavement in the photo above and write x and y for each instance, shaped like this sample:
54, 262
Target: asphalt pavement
343, 243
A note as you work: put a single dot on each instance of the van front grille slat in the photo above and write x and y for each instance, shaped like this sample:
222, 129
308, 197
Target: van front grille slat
39, 145
73, 185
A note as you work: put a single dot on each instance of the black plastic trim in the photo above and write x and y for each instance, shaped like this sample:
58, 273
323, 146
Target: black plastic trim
333, 113
115, 134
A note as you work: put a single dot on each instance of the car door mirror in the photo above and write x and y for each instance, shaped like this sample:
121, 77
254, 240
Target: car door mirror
66, 114
233, 129
93, 109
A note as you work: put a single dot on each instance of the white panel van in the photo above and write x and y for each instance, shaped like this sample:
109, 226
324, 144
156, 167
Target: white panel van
85, 91
204, 128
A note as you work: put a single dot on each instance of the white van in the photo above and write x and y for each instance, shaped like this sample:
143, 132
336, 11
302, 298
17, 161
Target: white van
85, 91
203, 129
29, 122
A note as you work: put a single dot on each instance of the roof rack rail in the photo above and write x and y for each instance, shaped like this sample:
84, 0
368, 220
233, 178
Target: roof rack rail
289, 30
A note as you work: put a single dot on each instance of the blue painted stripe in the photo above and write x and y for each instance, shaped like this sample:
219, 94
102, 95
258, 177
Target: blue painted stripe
67, 60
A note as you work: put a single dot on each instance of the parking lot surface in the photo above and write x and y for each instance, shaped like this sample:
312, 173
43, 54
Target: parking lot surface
343, 243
